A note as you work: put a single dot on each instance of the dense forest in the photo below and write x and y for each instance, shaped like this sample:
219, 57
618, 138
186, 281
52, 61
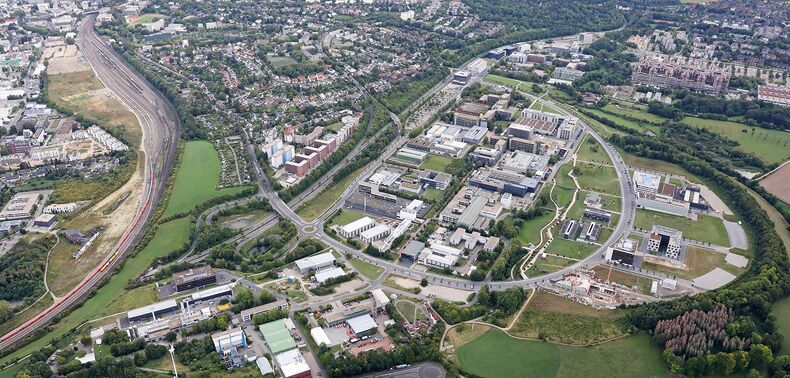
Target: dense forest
22, 269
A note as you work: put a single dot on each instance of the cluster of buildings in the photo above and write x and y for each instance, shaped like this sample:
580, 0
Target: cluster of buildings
652, 194
662, 243
774, 94
666, 71
445, 248
314, 150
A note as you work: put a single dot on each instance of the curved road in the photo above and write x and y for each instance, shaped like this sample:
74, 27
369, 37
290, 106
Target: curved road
159, 123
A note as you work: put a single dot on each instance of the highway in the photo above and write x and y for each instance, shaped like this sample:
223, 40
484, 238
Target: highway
159, 123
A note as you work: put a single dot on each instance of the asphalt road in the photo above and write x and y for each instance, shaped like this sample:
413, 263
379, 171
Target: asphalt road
159, 123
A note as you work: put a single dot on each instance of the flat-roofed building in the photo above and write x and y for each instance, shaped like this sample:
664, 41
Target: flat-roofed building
209, 294
665, 241
440, 256
20, 206
625, 252
315, 262
411, 155
379, 232
356, 227
362, 325
323, 275
248, 314
438, 180
193, 278
277, 336
292, 364
226, 341
152, 311
646, 182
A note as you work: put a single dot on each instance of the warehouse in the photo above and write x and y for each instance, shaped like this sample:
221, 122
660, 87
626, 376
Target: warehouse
362, 325
356, 227
225, 341
320, 337
292, 364
209, 294
328, 273
376, 233
315, 262
277, 336
152, 311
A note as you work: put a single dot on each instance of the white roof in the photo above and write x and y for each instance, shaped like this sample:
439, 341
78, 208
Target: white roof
158, 306
211, 292
313, 261
380, 298
227, 339
264, 366
292, 362
361, 323
326, 274
375, 231
357, 224
320, 337
648, 180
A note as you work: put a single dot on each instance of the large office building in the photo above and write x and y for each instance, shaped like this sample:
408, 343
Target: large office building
20, 206
194, 278
665, 241
434, 179
152, 311
646, 182
411, 155
248, 314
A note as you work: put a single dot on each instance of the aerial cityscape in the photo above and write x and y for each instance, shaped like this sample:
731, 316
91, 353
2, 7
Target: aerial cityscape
394, 188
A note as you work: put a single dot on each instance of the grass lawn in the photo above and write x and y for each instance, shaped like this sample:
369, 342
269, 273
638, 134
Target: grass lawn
562, 177
495, 354
280, 61
407, 309
636, 126
317, 205
565, 321
781, 310
347, 216
170, 236
432, 194
512, 83
771, 146
368, 270
562, 196
590, 150
543, 107
633, 112
597, 178
197, 179
570, 248
530, 230
549, 264
436, 162
146, 18
239, 221
698, 262
705, 229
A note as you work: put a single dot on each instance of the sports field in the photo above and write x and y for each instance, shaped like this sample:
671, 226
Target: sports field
705, 229
771, 146
497, 355
197, 179
170, 236
436, 162
280, 61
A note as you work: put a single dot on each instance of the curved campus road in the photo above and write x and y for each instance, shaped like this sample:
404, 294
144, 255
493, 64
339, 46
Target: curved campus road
159, 123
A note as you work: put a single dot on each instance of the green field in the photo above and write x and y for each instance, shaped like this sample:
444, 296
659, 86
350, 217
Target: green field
347, 216
436, 162
280, 61
530, 230
543, 107
407, 309
562, 196
549, 264
771, 146
590, 150
508, 82
147, 18
570, 248
624, 122
170, 236
368, 270
781, 310
562, 177
497, 355
698, 261
597, 178
319, 204
633, 112
197, 179
705, 229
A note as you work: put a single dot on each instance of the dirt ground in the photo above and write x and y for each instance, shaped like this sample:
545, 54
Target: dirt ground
406, 283
776, 183
65, 60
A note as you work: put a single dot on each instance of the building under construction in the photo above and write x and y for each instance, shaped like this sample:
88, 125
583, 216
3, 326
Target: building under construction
669, 72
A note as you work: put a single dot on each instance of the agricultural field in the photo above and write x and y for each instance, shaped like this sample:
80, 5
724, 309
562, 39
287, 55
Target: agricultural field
771, 146
197, 179
705, 229
436, 162
561, 320
316, 206
497, 355
169, 237
372, 272
776, 183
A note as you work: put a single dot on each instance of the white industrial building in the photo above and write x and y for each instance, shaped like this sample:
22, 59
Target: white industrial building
379, 232
325, 274
292, 364
315, 262
440, 256
225, 341
357, 227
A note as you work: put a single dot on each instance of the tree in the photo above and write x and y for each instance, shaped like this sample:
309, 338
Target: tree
760, 356
170, 336
6, 312
424, 282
